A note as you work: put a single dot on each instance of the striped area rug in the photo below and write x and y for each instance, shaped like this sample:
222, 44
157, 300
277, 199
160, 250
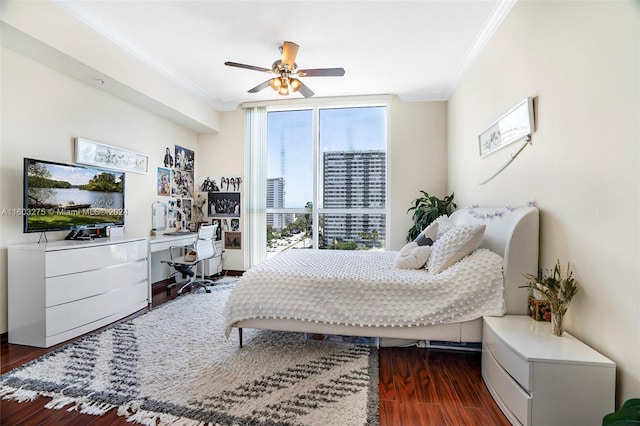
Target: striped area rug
173, 366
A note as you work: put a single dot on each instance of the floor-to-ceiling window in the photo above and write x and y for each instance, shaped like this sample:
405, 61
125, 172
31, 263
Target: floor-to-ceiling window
326, 178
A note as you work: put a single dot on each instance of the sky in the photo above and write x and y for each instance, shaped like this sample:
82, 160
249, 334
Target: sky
74, 175
290, 138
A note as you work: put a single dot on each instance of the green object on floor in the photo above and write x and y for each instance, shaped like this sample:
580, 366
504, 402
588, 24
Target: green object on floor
627, 415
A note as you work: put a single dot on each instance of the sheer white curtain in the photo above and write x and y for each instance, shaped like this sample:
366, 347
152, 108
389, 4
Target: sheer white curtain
255, 186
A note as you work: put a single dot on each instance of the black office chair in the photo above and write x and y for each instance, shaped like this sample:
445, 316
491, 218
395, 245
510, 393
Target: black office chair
203, 248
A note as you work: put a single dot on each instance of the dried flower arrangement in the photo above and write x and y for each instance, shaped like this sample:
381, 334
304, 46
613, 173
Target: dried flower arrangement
557, 290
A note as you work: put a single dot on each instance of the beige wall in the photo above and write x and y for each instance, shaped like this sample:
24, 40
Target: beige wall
42, 112
220, 155
417, 160
581, 61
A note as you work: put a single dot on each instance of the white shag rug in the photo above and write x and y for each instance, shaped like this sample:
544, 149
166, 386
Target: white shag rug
174, 366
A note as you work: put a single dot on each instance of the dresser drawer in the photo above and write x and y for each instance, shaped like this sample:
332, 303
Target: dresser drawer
513, 398
68, 288
69, 316
74, 260
516, 366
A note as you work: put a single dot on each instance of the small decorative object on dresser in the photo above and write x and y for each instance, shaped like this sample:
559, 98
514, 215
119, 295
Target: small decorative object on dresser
539, 309
556, 290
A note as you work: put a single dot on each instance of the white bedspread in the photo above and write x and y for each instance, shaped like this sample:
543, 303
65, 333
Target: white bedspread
363, 288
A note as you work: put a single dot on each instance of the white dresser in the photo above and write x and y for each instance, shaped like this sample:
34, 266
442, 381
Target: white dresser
63, 289
537, 378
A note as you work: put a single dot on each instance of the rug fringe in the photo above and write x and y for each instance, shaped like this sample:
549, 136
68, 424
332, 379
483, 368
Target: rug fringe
134, 414
19, 395
83, 405
59, 402
95, 408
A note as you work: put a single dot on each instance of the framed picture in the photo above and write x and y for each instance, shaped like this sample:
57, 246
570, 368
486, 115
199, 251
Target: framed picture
232, 240
185, 158
164, 181
110, 157
218, 229
182, 184
226, 204
516, 124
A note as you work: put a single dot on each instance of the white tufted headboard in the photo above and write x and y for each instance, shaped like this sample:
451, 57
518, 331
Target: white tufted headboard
514, 235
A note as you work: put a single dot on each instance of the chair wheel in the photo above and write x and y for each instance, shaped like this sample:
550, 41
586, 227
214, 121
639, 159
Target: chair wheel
207, 290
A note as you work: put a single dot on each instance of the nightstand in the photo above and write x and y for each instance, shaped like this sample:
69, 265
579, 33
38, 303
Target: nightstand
537, 378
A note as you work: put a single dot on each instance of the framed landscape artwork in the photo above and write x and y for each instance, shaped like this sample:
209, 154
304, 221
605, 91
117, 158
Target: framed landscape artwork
105, 156
511, 127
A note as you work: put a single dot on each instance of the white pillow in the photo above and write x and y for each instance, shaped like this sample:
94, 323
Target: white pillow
457, 243
445, 224
428, 235
412, 256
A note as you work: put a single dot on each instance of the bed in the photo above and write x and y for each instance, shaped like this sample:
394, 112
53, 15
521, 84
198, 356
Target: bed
358, 293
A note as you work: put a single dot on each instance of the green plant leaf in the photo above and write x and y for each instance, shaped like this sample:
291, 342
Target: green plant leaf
427, 209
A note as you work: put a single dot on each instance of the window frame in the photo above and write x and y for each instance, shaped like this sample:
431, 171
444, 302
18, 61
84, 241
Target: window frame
315, 128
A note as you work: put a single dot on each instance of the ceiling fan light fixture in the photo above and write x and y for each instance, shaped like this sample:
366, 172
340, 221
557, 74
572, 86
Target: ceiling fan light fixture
284, 90
295, 84
275, 83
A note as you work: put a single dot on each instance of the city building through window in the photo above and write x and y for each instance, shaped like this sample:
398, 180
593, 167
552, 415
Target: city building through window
326, 179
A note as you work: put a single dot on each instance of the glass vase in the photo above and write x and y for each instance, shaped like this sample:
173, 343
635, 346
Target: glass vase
557, 323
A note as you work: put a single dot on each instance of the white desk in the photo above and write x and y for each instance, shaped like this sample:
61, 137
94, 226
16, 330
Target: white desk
163, 242
159, 250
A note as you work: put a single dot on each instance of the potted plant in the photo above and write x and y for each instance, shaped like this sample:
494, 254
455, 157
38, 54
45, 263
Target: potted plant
426, 209
556, 290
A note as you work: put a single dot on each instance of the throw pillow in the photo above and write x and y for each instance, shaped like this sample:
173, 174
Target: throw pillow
445, 224
456, 244
412, 256
428, 235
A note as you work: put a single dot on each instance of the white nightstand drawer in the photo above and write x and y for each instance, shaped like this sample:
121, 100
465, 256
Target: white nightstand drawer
513, 398
513, 363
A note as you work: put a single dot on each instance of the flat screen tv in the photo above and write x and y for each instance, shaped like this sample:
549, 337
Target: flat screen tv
60, 197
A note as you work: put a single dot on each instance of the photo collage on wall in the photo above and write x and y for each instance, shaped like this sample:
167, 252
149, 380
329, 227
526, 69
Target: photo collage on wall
175, 179
221, 202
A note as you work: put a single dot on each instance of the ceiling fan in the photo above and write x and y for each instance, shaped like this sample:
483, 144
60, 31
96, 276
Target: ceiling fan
287, 73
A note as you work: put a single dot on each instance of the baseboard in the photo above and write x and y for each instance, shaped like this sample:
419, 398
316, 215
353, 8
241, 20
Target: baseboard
161, 286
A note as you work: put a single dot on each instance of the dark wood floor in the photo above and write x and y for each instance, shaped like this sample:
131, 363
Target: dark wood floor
417, 387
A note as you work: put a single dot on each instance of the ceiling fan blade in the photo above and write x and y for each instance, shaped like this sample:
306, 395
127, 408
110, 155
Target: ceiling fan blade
289, 53
305, 91
322, 72
248, 67
260, 86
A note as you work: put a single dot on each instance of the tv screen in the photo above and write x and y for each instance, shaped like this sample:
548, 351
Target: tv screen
61, 197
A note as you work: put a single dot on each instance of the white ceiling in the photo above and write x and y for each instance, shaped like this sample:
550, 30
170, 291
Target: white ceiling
414, 49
